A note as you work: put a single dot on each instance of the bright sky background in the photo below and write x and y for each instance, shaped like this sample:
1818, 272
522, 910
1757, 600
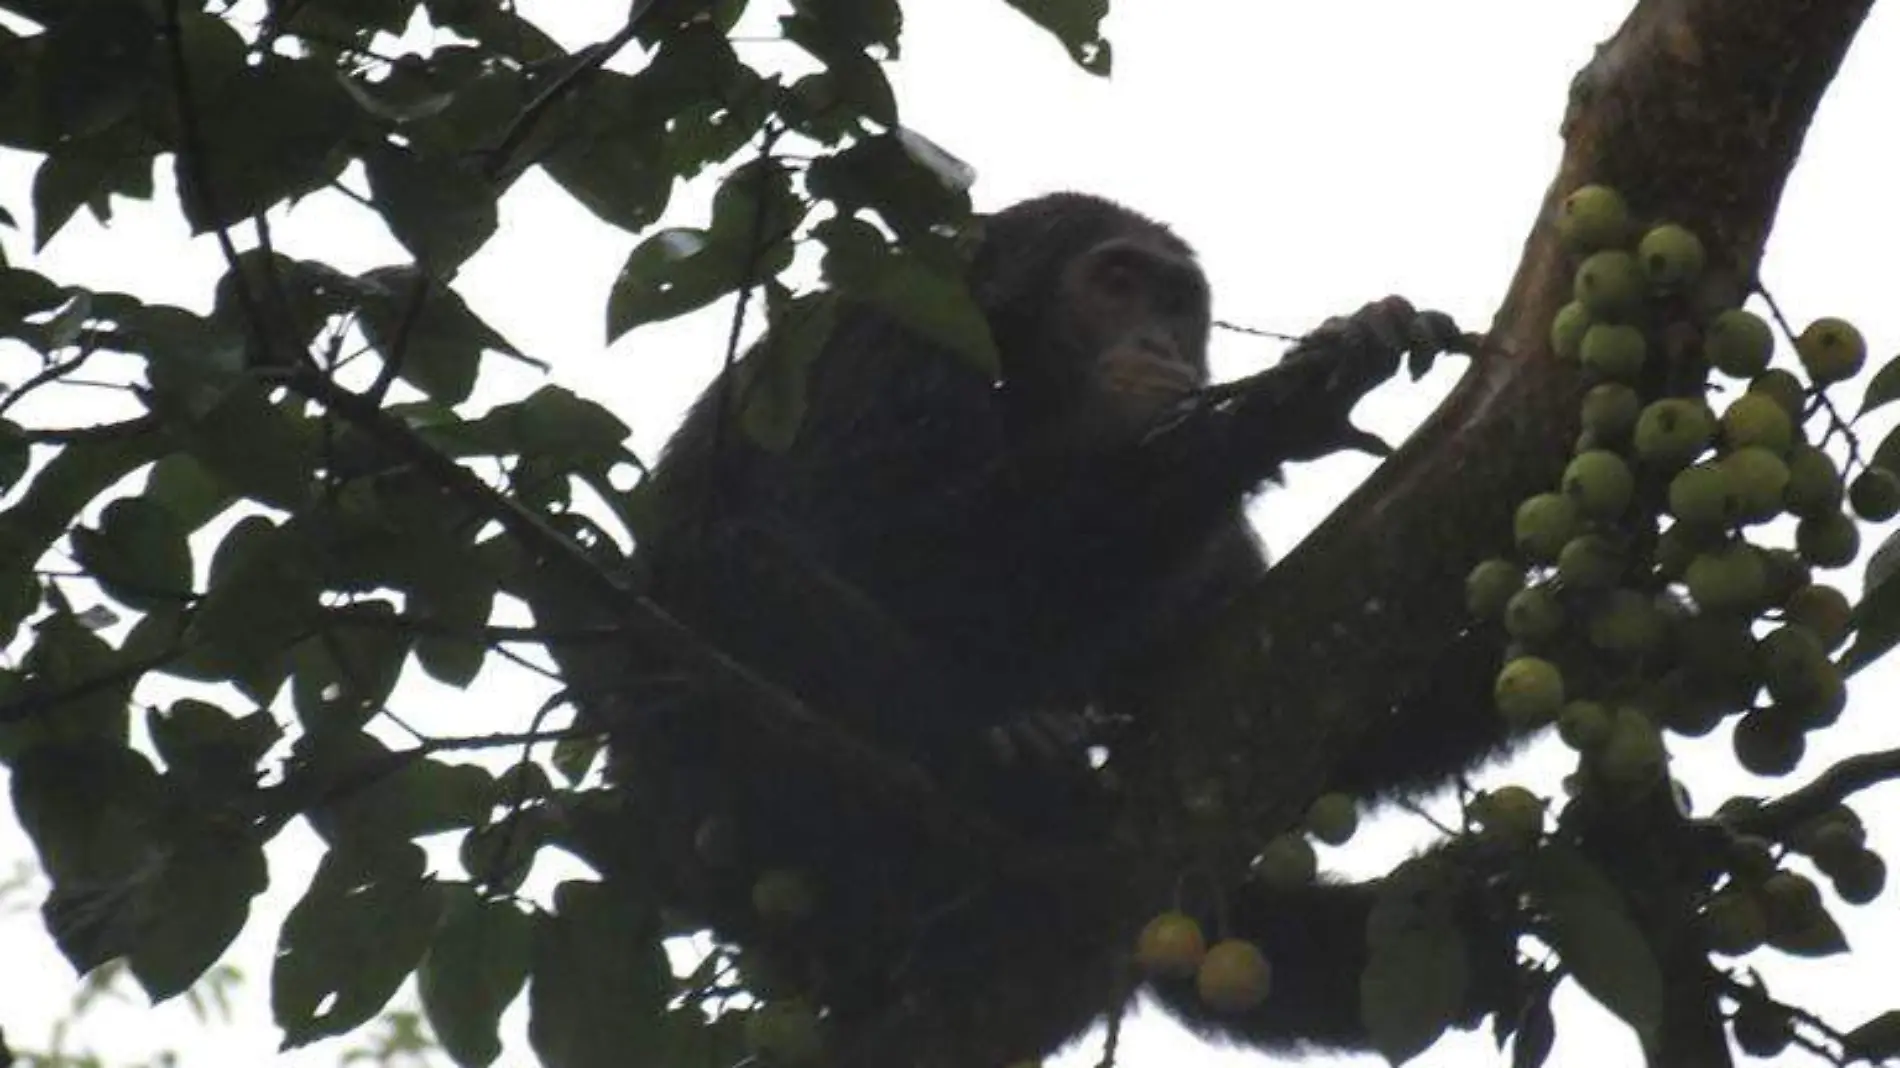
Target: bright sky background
1318, 155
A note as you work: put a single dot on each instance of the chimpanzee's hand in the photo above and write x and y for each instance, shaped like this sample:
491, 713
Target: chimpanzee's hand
1328, 370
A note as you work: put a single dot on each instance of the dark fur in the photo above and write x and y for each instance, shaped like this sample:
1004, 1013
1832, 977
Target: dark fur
938, 554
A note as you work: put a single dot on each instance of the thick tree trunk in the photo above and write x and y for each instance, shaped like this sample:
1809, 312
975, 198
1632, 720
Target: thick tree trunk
1696, 110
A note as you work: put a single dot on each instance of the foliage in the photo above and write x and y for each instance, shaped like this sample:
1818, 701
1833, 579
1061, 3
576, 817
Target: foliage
260, 566
295, 503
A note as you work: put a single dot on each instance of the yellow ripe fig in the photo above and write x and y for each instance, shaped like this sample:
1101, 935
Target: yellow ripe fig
1509, 814
1591, 562
1829, 539
1234, 976
1600, 482
1731, 578
1584, 725
1567, 328
1768, 744
1814, 485
1875, 495
1610, 411
1756, 419
1703, 497
1172, 945
1673, 431
1784, 387
1286, 862
1530, 690
1490, 586
1593, 217
1633, 758
1832, 350
1614, 351
1333, 818
1672, 257
1759, 479
1861, 878
1610, 285
1824, 610
1627, 623
1738, 343
1733, 922
1544, 524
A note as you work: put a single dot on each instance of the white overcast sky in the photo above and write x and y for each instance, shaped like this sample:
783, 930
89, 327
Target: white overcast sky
1318, 155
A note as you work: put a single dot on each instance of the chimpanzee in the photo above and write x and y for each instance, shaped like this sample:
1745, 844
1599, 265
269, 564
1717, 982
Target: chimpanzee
943, 558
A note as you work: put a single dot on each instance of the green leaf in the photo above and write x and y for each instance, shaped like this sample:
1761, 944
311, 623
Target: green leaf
87, 173
829, 27
259, 449
305, 296
88, 807
431, 330
831, 104
23, 122
1887, 453
1884, 389
197, 900
460, 609
187, 490
1876, 1040
274, 134
555, 424
1418, 971
371, 794
20, 594
914, 186
356, 934
615, 160
835, 103
1877, 616
601, 980
203, 744
773, 376
1078, 25
133, 873
138, 554
574, 757
439, 207
76, 475
344, 674
215, 53
78, 684
476, 966
679, 270
497, 27
24, 293
672, 272
327, 21
16, 455
99, 62
1598, 941
500, 855
929, 297
262, 598
478, 113
190, 359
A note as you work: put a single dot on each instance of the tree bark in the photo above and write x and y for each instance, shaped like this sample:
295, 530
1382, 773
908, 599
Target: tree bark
1696, 110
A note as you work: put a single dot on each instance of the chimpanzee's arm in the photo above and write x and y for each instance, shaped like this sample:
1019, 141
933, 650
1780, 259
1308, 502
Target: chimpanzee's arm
1093, 530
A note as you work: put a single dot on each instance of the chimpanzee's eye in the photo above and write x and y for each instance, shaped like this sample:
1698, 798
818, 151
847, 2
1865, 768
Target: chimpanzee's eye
1118, 281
